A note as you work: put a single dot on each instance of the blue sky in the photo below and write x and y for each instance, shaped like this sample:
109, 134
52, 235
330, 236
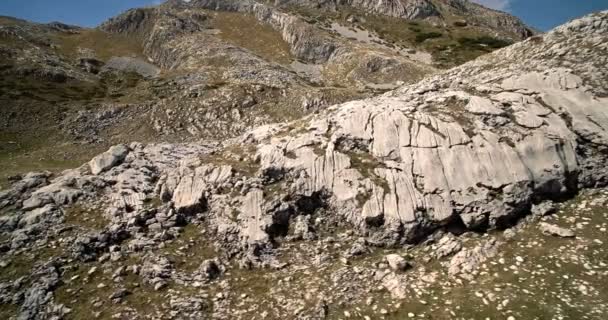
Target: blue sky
79, 12
541, 14
546, 14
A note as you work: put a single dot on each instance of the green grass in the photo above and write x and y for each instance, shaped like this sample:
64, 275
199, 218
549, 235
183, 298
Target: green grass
41, 150
89, 218
15, 86
79, 294
33, 108
483, 43
423, 36
196, 248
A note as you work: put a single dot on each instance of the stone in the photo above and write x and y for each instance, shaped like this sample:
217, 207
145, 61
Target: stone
211, 269
114, 156
156, 270
119, 294
396, 285
90, 65
303, 229
467, 261
128, 64
358, 248
553, 230
447, 246
544, 208
396, 262
35, 202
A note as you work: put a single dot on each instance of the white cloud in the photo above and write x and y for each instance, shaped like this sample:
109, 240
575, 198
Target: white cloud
502, 5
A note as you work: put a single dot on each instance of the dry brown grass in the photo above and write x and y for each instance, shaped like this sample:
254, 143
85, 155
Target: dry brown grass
247, 32
105, 45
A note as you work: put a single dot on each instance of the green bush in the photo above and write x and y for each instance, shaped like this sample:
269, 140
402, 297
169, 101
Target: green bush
483, 42
421, 37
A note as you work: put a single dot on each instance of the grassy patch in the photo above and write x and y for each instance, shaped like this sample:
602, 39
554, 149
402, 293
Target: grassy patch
105, 45
19, 266
8, 311
442, 42
534, 276
482, 43
32, 153
189, 250
89, 218
247, 32
79, 294
423, 36
15, 86
452, 109
22, 152
22, 264
366, 164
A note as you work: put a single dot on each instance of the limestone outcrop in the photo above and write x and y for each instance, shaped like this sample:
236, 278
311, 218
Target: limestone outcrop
478, 145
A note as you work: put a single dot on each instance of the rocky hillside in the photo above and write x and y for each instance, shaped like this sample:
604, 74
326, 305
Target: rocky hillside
185, 71
446, 12
277, 176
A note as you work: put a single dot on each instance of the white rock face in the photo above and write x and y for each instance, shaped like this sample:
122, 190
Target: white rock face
472, 144
108, 159
187, 186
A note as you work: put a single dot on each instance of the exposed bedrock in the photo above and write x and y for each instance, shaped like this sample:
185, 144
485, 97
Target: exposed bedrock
476, 146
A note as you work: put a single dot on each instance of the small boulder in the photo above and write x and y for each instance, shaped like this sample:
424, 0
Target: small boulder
35, 201
358, 248
461, 23
119, 294
544, 208
109, 159
553, 230
211, 269
302, 229
397, 262
90, 65
447, 246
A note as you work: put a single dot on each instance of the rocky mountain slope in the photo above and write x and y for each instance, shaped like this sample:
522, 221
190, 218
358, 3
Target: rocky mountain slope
457, 12
423, 201
185, 71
